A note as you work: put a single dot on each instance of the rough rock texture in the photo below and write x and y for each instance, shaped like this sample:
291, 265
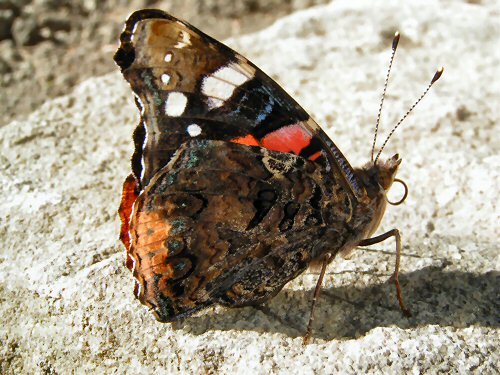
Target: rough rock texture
66, 296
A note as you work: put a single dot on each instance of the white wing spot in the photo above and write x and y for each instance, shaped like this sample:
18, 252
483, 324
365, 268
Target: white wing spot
214, 103
231, 75
165, 78
221, 84
185, 40
144, 145
194, 130
216, 88
168, 57
133, 32
175, 104
139, 102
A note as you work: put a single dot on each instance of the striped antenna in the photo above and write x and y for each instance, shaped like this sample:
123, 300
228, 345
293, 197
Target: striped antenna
395, 42
437, 75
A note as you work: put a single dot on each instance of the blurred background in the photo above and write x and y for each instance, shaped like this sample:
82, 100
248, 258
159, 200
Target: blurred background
48, 46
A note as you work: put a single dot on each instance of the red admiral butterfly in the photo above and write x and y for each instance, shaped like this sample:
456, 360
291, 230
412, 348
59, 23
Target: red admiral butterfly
234, 189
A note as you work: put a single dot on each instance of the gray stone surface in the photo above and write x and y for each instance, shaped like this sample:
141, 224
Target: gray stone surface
66, 297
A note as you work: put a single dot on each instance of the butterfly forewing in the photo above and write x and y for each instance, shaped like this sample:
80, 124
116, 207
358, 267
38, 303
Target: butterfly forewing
189, 85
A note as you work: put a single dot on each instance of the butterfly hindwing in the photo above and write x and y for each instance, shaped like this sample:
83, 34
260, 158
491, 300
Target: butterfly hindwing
230, 224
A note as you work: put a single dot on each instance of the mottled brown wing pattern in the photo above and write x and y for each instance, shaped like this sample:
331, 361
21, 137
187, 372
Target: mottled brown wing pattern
231, 224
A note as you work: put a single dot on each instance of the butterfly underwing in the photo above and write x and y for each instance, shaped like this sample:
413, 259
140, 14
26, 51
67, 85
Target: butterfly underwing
234, 189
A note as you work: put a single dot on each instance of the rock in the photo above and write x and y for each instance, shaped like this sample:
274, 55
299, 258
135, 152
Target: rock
4, 67
60, 23
19, 4
56, 28
26, 31
9, 52
6, 20
67, 302
9, 10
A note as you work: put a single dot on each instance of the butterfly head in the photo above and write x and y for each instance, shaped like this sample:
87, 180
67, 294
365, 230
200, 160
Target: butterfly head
378, 177
385, 172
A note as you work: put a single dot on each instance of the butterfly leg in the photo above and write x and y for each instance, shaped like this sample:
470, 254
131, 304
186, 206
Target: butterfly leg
395, 276
317, 291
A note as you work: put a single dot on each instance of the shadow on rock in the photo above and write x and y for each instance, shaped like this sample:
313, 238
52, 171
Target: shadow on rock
435, 297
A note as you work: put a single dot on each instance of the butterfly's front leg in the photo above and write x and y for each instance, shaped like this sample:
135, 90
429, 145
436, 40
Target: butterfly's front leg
395, 276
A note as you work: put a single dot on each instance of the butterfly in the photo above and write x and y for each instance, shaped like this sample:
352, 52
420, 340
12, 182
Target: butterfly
235, 190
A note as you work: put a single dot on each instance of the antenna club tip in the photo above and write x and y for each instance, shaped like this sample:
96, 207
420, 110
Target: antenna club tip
395, 41
437, 75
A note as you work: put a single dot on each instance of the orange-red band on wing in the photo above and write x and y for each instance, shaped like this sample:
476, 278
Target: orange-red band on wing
248, 140
292, 138
315, 156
